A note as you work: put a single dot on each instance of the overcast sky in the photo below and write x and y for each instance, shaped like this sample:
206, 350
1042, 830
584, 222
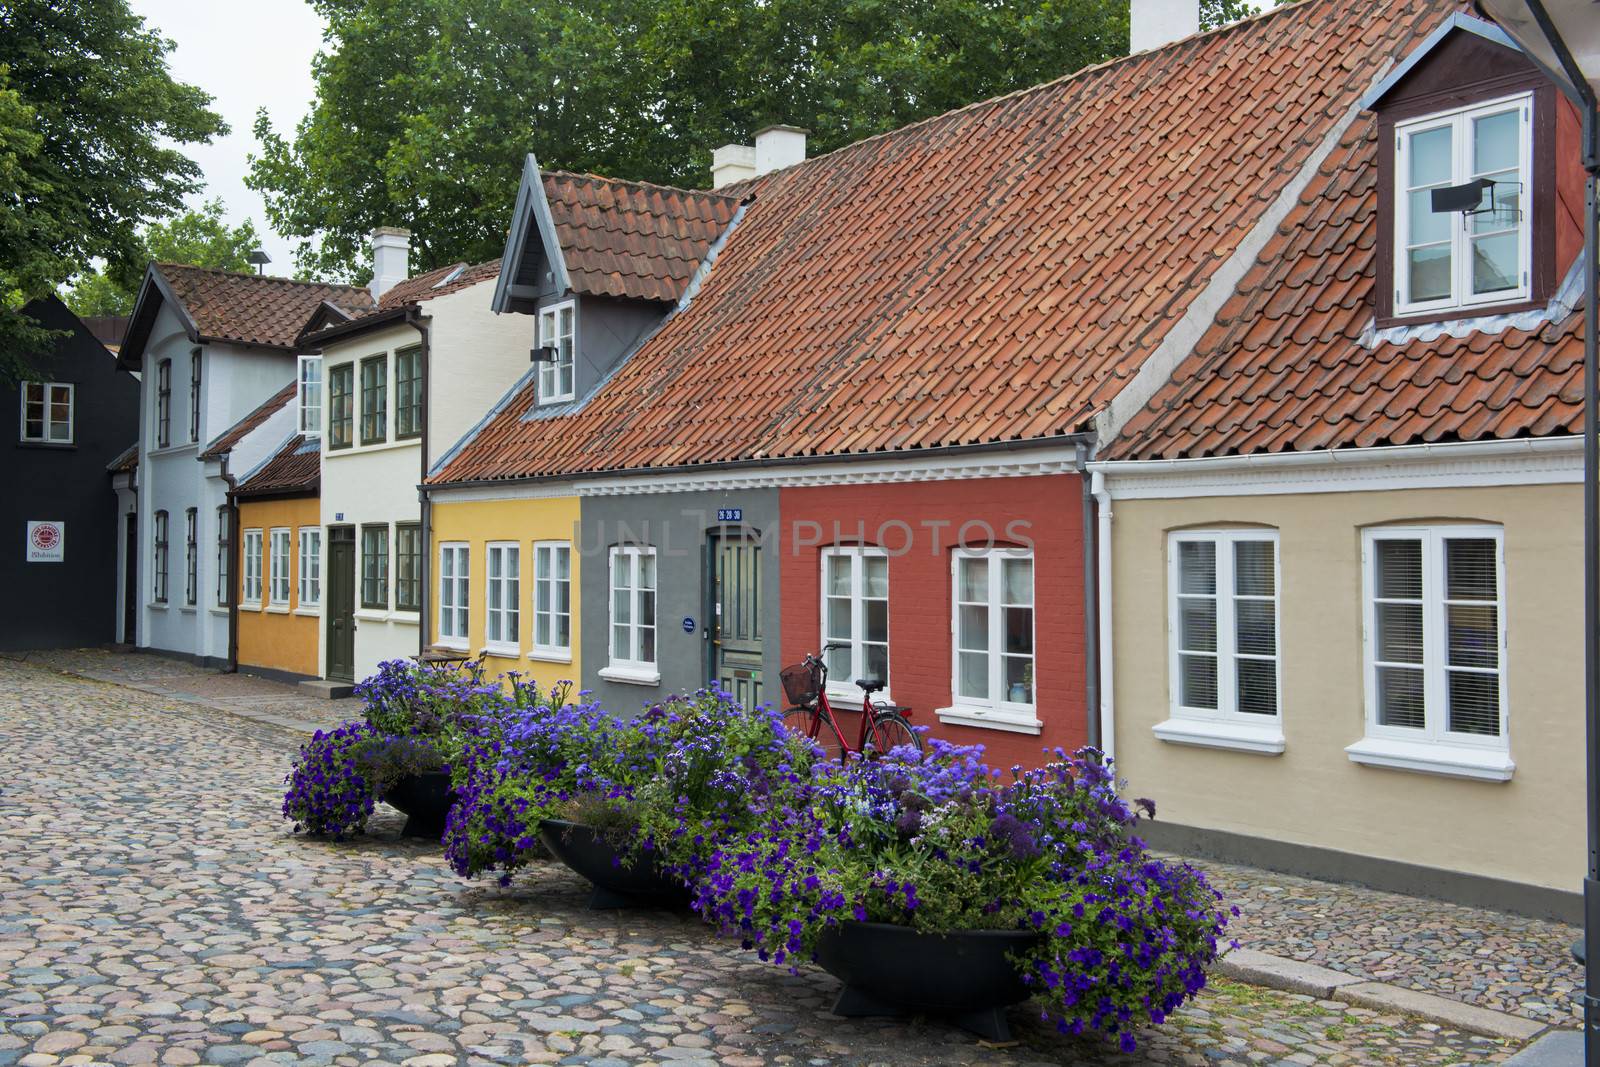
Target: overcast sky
247, 54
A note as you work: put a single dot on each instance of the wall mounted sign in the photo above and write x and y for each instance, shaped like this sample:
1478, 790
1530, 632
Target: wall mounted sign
47, 542
730, 514
688, 625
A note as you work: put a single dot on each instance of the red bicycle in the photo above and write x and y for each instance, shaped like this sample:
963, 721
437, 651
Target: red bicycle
883, 726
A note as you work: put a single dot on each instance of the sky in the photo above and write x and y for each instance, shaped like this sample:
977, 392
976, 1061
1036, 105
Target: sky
247, 54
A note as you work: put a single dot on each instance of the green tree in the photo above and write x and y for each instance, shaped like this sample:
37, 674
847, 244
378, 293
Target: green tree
200, 238
91, 122
424, 108
1214, 13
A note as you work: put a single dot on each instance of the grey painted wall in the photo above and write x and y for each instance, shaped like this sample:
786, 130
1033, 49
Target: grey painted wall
678, 526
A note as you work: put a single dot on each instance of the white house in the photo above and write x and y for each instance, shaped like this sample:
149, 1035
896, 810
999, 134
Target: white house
212, 348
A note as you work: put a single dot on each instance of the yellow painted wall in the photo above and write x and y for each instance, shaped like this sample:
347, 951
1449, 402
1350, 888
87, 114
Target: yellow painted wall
269, 635
478, 522
1529, 829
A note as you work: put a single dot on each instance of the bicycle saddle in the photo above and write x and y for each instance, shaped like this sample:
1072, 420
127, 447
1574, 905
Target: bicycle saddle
870, 685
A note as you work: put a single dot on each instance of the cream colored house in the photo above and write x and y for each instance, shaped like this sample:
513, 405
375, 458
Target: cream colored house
1341, 542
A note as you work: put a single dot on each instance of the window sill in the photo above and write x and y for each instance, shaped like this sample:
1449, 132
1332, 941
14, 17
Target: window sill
965, 715
189, 609
552, 401
377, 446
278, 609
551, 655
249, 605
315, 611
631, 675
851, 698
452, 644
173, 450
502, 651
1212, 733
224, 612
49, 446
1433, 757
157, 605
405, 618
371, 614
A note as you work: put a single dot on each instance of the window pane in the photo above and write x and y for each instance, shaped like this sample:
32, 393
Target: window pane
1399, 569
1258, 686
647, 570
1470, 568
972, 627
972, 580
1197, 680
563, 631
1018, 630
1400, 700
1018, 680
1429, 272
1430, 156
841, 663
875, 620
1496, 262
838, 619
563, 562
1399, 632
973, 675
877, 657
838, 575
877, 577
1423, 225
647, 608
1474, 703
1496, 142
1253, 568
1502, 204
1474, 635
541, 630
622, 607
1018, 579
647, 644
1197, 567
1197, 625
1254, 627
622, 641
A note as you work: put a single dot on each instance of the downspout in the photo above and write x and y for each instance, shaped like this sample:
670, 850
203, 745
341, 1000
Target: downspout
1107, 687
233, 568
415, 318
1091, 635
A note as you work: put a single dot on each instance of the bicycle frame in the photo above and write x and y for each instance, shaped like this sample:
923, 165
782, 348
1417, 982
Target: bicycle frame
869, 710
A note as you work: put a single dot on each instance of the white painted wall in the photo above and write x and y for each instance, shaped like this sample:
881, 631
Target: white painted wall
475, 357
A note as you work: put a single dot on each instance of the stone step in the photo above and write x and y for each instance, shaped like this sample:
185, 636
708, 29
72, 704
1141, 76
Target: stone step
328, 689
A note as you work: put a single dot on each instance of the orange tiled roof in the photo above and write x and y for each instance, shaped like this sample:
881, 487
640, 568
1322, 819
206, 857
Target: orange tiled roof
253, 309
236, 433
990, 275
295, 468
426, 286
633, 239
1283, 367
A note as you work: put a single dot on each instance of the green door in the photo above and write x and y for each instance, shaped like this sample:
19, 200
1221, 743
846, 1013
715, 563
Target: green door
341, 606
736, 615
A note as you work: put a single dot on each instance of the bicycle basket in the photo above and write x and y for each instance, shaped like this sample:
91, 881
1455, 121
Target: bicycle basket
800, 682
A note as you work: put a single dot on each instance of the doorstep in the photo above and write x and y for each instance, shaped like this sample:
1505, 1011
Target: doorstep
328, 689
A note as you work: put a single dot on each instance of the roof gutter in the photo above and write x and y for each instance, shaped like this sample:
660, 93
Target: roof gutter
342, 330
1343, 457
233, 567
421, 323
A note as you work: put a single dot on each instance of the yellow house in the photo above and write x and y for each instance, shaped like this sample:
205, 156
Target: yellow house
278, 564
505, 582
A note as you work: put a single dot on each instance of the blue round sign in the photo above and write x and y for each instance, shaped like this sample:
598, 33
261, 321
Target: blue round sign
688, 625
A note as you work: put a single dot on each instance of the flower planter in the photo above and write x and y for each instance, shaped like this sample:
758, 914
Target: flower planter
426, 800
643, 884
965, 976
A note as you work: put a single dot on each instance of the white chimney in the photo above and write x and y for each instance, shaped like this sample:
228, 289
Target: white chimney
778, 147
391, 259
1153, 23
732, 163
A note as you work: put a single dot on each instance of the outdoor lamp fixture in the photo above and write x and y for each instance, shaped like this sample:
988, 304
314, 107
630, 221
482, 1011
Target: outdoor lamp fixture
1563, 38
260, 259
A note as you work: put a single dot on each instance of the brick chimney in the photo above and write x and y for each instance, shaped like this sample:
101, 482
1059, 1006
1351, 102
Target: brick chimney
391, 259
776, 147
1153, 23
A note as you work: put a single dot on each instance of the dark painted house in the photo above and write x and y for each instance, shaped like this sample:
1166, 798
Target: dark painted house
74, 414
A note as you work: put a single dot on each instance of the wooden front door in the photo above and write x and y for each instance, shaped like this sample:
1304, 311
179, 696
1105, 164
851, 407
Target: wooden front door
736, 615
341, 603
130, 581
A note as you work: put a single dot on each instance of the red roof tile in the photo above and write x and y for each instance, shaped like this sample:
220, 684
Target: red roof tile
295, 468
988, 275
236, 433
431, 284
253, 309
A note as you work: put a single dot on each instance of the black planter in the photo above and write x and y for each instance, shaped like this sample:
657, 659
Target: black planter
643, 884
895, 970
426, 800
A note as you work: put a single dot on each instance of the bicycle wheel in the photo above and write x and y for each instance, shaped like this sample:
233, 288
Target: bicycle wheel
890, 732
815, 724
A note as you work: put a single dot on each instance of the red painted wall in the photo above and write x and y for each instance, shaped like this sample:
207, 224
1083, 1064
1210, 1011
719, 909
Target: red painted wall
918, 524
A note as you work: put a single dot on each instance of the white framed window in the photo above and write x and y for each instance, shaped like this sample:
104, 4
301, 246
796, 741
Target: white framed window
1434, 649
47, 412
191, 556
1222, 640
159, 586
633, 615
992, 679
279, 583
310, 566
224, 557
556, 331
503, 598
552, 599
251, 595
308, 394
455, 571
1445, 260
855, 615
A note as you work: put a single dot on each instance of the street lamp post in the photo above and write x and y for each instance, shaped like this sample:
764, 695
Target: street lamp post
1563, 38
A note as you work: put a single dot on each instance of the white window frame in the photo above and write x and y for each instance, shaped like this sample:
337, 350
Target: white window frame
1223, 726
1433, 748
46, 423
502, 626
308, 395
455, 594
279, 576
627, 668
550, 336
544, 556
1460, 122
843, 690
995, 712
310, 542
250, 595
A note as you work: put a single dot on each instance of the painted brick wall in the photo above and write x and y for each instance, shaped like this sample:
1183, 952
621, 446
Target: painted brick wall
1048, 511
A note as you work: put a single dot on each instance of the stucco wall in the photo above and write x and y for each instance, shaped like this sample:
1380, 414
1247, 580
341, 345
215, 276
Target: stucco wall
479, 522
1528, 830
474, 358
277, 638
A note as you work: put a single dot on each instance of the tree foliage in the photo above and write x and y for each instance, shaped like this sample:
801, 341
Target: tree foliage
199, 238
425, 108
91, 122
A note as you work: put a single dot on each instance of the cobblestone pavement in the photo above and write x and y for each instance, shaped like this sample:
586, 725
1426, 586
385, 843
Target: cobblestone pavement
154, 909
1487, 958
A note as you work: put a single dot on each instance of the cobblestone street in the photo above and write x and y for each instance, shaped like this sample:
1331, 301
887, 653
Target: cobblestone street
155, 909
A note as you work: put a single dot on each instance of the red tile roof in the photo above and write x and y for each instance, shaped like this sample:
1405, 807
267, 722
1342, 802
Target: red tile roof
221, 446
127, 460
989, 275
253, 309
1283, 367
426, 286
633, 239
295, 468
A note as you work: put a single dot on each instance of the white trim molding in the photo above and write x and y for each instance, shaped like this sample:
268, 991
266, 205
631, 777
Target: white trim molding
1431, 757
1454, 464
1266, 739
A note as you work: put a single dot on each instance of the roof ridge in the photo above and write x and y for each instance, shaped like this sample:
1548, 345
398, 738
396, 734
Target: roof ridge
591, 176
257, 277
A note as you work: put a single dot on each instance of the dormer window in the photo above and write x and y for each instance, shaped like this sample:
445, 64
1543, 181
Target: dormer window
556, 332
309, 393
1478, 255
